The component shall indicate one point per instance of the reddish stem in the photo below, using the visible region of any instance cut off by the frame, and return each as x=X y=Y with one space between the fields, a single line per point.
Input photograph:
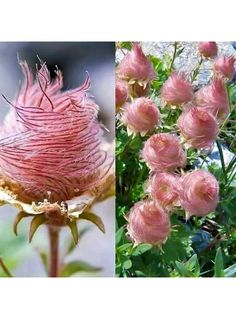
x=54 y=251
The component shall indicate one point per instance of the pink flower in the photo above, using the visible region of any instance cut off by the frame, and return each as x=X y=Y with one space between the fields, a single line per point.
x=148 y=223
x=142 y=115
x=122 y=92
x=224 y=65
x=213 y=98
x=208 y=49
x=163 y=152
x=177 y=89
x=199 y=127
x=51 y=141
x=164 y=188
x=136 y=66
x=200 y=193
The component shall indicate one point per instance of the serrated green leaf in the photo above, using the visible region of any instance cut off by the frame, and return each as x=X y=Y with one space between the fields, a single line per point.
x=77 y=266
x=94 y=219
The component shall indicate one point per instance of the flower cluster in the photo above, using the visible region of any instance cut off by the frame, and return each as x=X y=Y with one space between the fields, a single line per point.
x=200 y=112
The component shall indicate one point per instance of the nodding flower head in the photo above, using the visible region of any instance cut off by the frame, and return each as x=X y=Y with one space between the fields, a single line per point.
x=199 y=193
x=142 y=115
x=177 y=89
x=135 y=66
x=148 y=223
x=214 y=98
x=122 y=93
x=199 y=127
x=208 y=49
x=50 y=141
x=164 y=188
x=163 y=152
x=224 y=66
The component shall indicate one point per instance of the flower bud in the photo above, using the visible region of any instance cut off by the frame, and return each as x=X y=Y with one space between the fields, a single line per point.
x=200 y=193
x=122 y=93
x=207 y=49
x=164 y=188
x=135 y=66
x=224 y=66
x=142 y=115
x=148 y=223
x=177 y=89
x=198 y=127
x=214 y=98
x=163 y=152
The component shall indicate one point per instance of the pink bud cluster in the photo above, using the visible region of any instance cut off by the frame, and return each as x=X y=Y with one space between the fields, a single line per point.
x=134 y=74
x=168 y=187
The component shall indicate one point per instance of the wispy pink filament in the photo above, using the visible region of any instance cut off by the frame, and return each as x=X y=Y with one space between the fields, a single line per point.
x=51 y=140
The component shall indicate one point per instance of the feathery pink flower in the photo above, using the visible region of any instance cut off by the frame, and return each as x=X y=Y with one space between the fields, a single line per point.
x=50 y=141
x=200 y=193
x=148 y=223
x=142 y=115
x=164 y=188
x=198 y=127
x=163 y=152
x=224 y=65
x=136 y=66
x=214 y=98
x=177 y=89
x=208 y=49
x=122 y=92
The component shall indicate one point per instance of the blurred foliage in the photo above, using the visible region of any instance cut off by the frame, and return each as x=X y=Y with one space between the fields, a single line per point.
x=199 y=247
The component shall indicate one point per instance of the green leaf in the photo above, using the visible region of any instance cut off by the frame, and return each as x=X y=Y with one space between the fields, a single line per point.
x=94 y=219
x=219 y=266
x=182 y=270
x=141 y=249
x=77 y=266
x=119 y=235
x=230 y=271
x=37 y=221
x=127 y=264
x=74 y=231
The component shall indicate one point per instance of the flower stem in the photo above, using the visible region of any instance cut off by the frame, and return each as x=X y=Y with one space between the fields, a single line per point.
x=4 y=268
x=54 y=251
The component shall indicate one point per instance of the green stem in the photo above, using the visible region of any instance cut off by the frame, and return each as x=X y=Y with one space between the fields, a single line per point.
x=54 y=251
x=196 y=71
x=4 y=268
x=222 y=160
x=174 y=56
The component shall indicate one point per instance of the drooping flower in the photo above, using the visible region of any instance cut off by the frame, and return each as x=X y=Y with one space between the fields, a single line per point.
x=214 y=98
x=135 y=66
x=52 y=152
x=165 y=188
x=224 y=65
x=142 y=115
x=198 y=127
x=200 y=193
x=163 y=152
x=148 y=223
x=177 y=89
x=208 y=49
x=122 y=93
